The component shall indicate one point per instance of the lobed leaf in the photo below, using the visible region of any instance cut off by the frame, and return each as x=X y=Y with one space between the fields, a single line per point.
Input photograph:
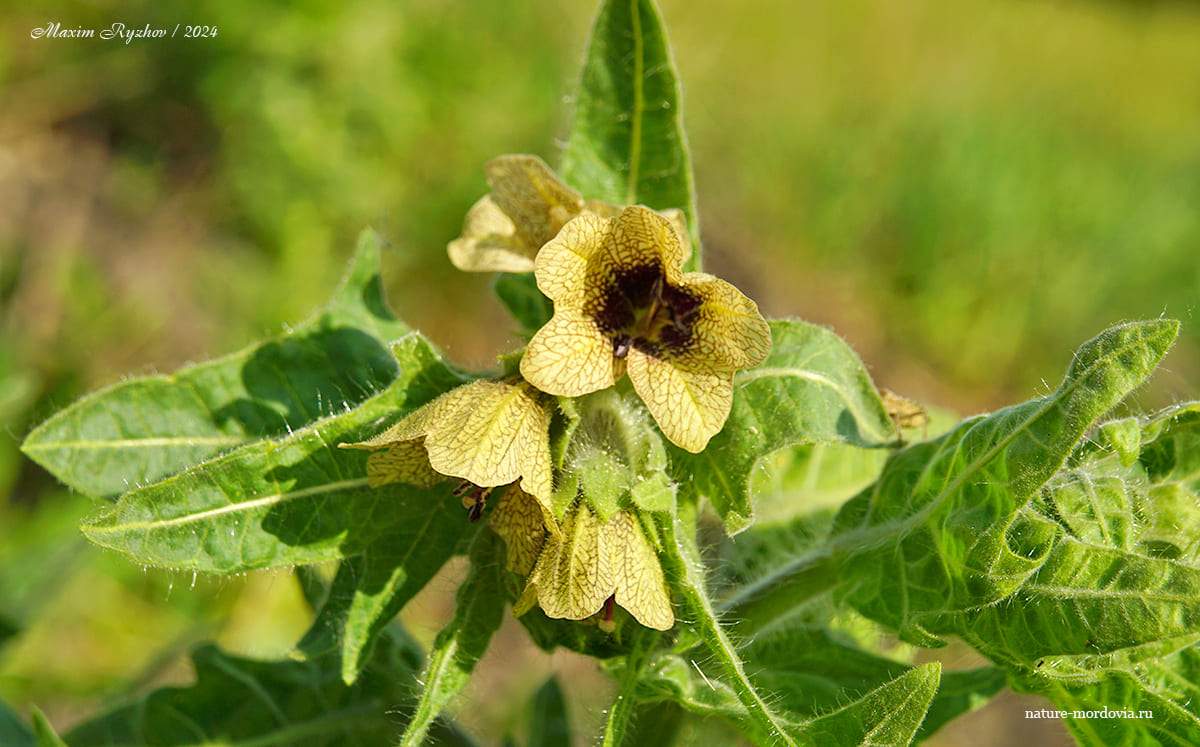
x=626 y=144
x=1157 y=702
x=139 y=431
x=942 y=530
x=1122 y=584
x=812 y=388
x=295 y=501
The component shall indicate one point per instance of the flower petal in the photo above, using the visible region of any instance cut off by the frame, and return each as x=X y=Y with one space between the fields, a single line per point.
x=405 y=462
x=521 y=521
x=641 y=588
x=569 y=356
x=489 y=242
x=642 y=237
x=728 y=331
x=490 y=433
x=690 y=405
x=562 y=264
x=574 y=574
x=531 y=194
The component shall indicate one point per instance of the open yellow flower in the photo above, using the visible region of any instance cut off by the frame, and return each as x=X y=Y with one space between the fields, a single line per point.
x=527 y=207
x=487 y=433
x=590 y=562
x=623 y=303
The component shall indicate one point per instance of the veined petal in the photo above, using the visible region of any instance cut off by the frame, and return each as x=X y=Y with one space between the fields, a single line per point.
x=489 y=242
x=488 y=434
x=728 y=330
x=414 y=425
x=531 y=194
x=404 y=461
x=562 y=265
x=642 y=237
x=674 y=216
x=641 y=588
x=690 y=405
x=521 y=521
x=574 y=574
x=569 y=356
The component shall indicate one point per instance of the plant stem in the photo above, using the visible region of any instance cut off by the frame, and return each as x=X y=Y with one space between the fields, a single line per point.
x=684 y=559
x=618 y=714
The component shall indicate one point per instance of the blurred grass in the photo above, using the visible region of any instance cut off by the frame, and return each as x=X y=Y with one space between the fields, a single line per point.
x=965 y=191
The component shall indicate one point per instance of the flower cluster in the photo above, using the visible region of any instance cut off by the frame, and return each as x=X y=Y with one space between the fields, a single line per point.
x=622 y=305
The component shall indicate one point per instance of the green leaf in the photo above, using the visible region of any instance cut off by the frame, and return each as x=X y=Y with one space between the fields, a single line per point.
x=959 y=693
x=772 y=571
x=1126 y=571
x=654 y=724
x=372 y=587
x=139 y=431
x=236 y=700
x=44 y=732
x=809 y=671
x=675 y=679
x=548 y=722
x=295 y=501
x=796 y=480
x=13 y=729
x=479 y=610
x=527 y=304
x=1157 y=702
x=888 y=715
x=626 y=145
x=1171 y=447
x=812 y=388
x=943 y=531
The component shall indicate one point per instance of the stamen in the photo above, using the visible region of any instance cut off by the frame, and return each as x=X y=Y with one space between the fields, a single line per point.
x=621 y=346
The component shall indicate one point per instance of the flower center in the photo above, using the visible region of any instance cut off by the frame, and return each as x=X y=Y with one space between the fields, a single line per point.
x=640 y=309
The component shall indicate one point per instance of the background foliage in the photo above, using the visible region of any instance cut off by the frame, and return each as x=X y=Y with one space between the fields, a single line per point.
x=964 y=191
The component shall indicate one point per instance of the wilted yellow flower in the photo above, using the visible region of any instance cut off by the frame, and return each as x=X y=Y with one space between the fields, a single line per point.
x=488 y=433
x=589 y=562
x=623 y=303
x=527 y=207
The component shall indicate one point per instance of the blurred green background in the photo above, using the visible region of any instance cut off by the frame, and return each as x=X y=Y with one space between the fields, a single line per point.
x=964 y=190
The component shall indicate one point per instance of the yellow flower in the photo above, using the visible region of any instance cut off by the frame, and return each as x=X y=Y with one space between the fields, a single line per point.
x=527 y=207
x=487 y=433
x=590 y=562
x=520 y=520
x=622 y=303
